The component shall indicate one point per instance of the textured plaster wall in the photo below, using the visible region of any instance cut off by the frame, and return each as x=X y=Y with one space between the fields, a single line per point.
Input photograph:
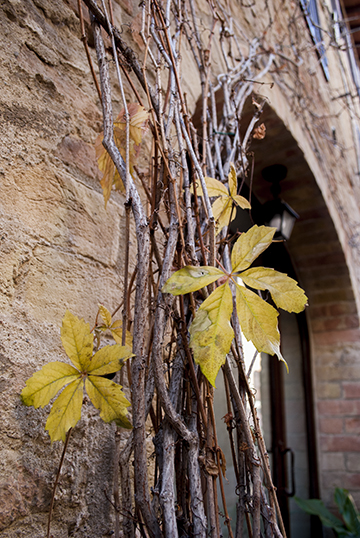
x=60 y=249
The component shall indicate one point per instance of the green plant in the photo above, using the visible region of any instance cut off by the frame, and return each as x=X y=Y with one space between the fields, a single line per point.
x=349 y=527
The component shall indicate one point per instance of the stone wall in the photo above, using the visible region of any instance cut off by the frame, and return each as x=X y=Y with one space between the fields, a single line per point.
x=60 y=248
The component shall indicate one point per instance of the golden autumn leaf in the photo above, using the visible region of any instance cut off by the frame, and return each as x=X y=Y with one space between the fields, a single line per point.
x=211 y=333
x=46 y=383
x=108 y=397
x=223 y=206
x=109 y=359
x=284 y=290
x=77 y=340
x=105 y=315
x=250 y=245
x=258 y=321
x=138 y=127
x=66 y=410
x=116 y=331
x=114 y=327
x=189 y=279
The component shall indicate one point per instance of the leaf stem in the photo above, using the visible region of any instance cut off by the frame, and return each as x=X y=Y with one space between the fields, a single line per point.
x=57 y=481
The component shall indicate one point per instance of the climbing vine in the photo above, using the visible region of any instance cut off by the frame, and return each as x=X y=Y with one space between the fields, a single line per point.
x=188 y=301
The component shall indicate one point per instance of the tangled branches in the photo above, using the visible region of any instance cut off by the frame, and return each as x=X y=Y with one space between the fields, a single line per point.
x=175 y=228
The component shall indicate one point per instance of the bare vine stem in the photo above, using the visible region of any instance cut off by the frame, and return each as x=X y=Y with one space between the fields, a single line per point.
x=57 y=481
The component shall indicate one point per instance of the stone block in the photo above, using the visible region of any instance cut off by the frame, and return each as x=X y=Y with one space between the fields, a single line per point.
x=66 y=213
x=56 y=281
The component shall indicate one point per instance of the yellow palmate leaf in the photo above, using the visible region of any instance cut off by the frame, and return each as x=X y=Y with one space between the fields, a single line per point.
x=189 y=279
x=116 y=331
x=232 y=177
x=77 y=340
x=138 y=127
x=284 y=290
x=106 y=166
x=241 y=201
x=105 y=315
x=109 y=359
x=222 y=211
x=250 y=245
x=139 y=118
x=211 y=333
x=108 y=397
x=214 y=188
x=47 y=382
x=258 y=322
x=66 y=411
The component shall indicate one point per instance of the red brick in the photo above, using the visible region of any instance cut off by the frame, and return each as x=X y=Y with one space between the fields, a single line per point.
x=340 y=443
x=336 y=337
x=351 y=390
x=352 y=425
x=331 y=425
x=334 y=323
x=344 y=480
x=339 y=407
x=321 y=297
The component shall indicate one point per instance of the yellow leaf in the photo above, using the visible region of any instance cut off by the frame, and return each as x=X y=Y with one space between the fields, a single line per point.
x=214 y=188
x=77 y=340
x=211 y=333
x=66 y=411
x=250 y=245
x=284 y=290
x=108 y=397
x=258 y=322
x=47 y=382
x=232 y=177
x=116 y=331
x=109 y=359
x=241 y=201
x=105 y=315
x=222 y=207
x=138 y=126
x=189 y=279
x=138 y=121
x=222 y=210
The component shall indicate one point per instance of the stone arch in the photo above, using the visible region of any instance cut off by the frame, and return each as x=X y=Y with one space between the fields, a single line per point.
x=319 y=260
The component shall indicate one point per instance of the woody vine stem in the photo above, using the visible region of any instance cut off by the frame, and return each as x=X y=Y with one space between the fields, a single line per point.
x=181 y=409
x=178 y=226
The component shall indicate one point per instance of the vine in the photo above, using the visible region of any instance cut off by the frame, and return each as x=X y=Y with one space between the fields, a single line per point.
x=183 y=326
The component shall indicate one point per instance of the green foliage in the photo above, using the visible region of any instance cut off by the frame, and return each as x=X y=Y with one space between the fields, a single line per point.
x=106 y=395
x=211 y=332
x=349 y=527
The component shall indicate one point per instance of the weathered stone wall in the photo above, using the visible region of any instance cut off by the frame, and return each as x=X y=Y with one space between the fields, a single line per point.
x=60 y=248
